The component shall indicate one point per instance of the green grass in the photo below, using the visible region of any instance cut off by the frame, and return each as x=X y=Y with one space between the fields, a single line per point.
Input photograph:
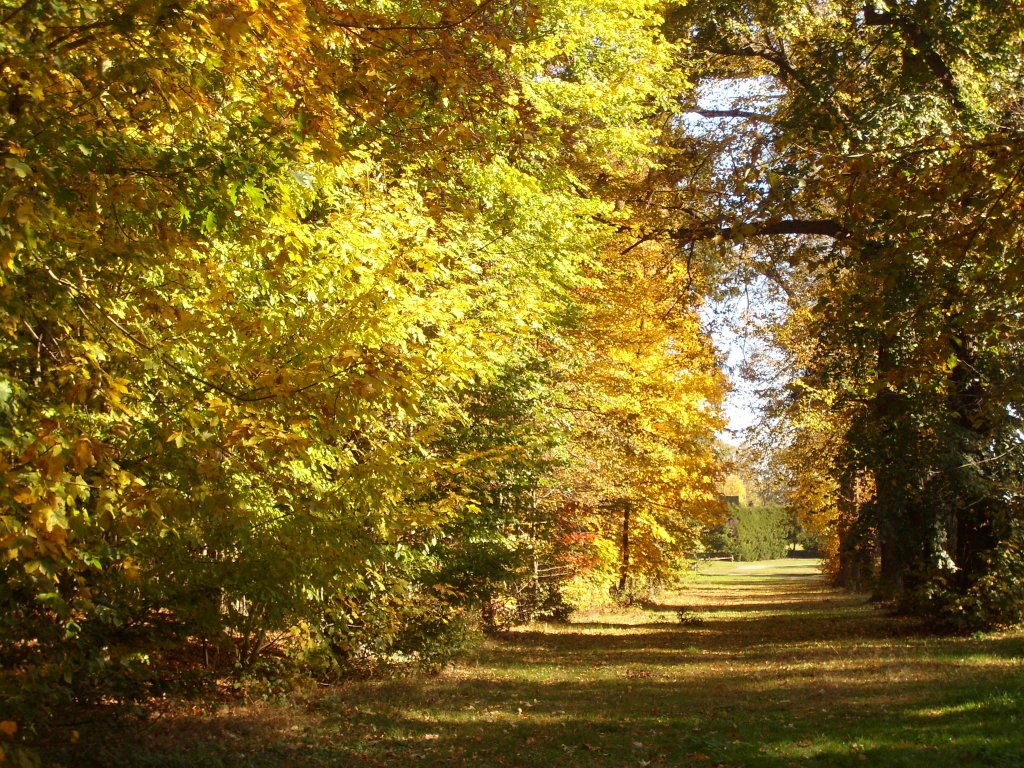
x=769 y=669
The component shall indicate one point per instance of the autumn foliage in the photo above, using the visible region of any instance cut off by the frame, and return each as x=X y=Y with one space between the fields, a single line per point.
x=304 y=307
x=871 y=184
x=327 y=325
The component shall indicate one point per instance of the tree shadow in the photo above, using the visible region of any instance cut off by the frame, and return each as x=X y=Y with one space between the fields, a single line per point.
x=825 y=682
x=623 y=720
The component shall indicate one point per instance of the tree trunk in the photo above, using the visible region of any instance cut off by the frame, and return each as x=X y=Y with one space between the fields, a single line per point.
x=894 y=511
x=624 y=567
x=856 y=556
x=972 y=530
x=891 y=574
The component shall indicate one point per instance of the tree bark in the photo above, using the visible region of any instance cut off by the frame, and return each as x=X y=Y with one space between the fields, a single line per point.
x=855 y=547
x=890 y=466
x=624 y=563
x=972 y=530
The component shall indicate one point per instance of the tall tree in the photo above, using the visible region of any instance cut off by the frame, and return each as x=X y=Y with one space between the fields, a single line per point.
x=878 y=172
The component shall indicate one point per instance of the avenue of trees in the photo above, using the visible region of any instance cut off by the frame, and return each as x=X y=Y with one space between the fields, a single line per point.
x=324 y=324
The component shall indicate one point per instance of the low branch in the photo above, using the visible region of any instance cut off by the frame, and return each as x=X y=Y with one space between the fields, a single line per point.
x=823 y=227
x=818 y=227
x=740 y=114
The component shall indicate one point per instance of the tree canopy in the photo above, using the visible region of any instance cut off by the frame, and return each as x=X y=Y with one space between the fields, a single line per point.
x=310 y=311
x=873 y=179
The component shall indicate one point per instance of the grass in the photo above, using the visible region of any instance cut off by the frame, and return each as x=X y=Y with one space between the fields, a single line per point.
x=757 y=665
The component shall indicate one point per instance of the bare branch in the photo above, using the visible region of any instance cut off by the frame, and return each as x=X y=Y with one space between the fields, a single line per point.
x=818 y=227
x=740 y=114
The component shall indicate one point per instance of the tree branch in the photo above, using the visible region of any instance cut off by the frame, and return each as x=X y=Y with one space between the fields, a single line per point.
x=914 y=34
x=818 y=227
x=822 y=227
x=876 y=18
x=786 y=71
x=737 y=113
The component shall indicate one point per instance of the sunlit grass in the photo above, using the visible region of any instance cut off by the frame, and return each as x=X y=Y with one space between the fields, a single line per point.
x=769 y=669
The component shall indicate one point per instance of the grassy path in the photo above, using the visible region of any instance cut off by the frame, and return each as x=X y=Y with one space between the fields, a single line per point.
x=755 y=665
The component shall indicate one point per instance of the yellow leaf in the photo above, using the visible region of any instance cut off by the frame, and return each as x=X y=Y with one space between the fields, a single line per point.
x=8 y=727
x=83 y=456
x=25 y=496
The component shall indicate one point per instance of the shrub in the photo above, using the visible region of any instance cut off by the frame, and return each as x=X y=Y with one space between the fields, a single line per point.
x=760 y=533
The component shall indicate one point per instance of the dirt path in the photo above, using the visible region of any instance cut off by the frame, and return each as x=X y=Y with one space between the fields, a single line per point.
x=756 y=665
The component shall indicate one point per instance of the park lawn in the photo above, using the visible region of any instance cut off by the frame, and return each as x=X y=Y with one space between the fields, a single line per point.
x=751 y=664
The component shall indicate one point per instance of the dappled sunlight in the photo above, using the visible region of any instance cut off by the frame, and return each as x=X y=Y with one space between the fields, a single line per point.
x=344 y=339
x=759 y=676
x=766 y=675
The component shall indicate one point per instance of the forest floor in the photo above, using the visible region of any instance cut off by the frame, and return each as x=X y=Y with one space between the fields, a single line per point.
x=757 y=665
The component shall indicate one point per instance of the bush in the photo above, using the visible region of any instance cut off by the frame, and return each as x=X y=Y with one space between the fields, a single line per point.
x=588 y=591
x=420 y=630
x=759 y=533
x=996 y=600
x=524 y=601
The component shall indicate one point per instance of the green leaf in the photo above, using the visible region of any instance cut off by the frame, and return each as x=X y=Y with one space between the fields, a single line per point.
x=19 y=168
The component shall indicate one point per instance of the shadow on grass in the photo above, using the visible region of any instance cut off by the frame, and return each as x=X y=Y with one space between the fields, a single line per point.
x=712 y=720
x=827 y=682
x=756 y=576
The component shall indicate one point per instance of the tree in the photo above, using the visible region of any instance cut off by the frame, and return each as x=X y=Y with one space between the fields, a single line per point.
x=644 y=408
x=878 y=194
